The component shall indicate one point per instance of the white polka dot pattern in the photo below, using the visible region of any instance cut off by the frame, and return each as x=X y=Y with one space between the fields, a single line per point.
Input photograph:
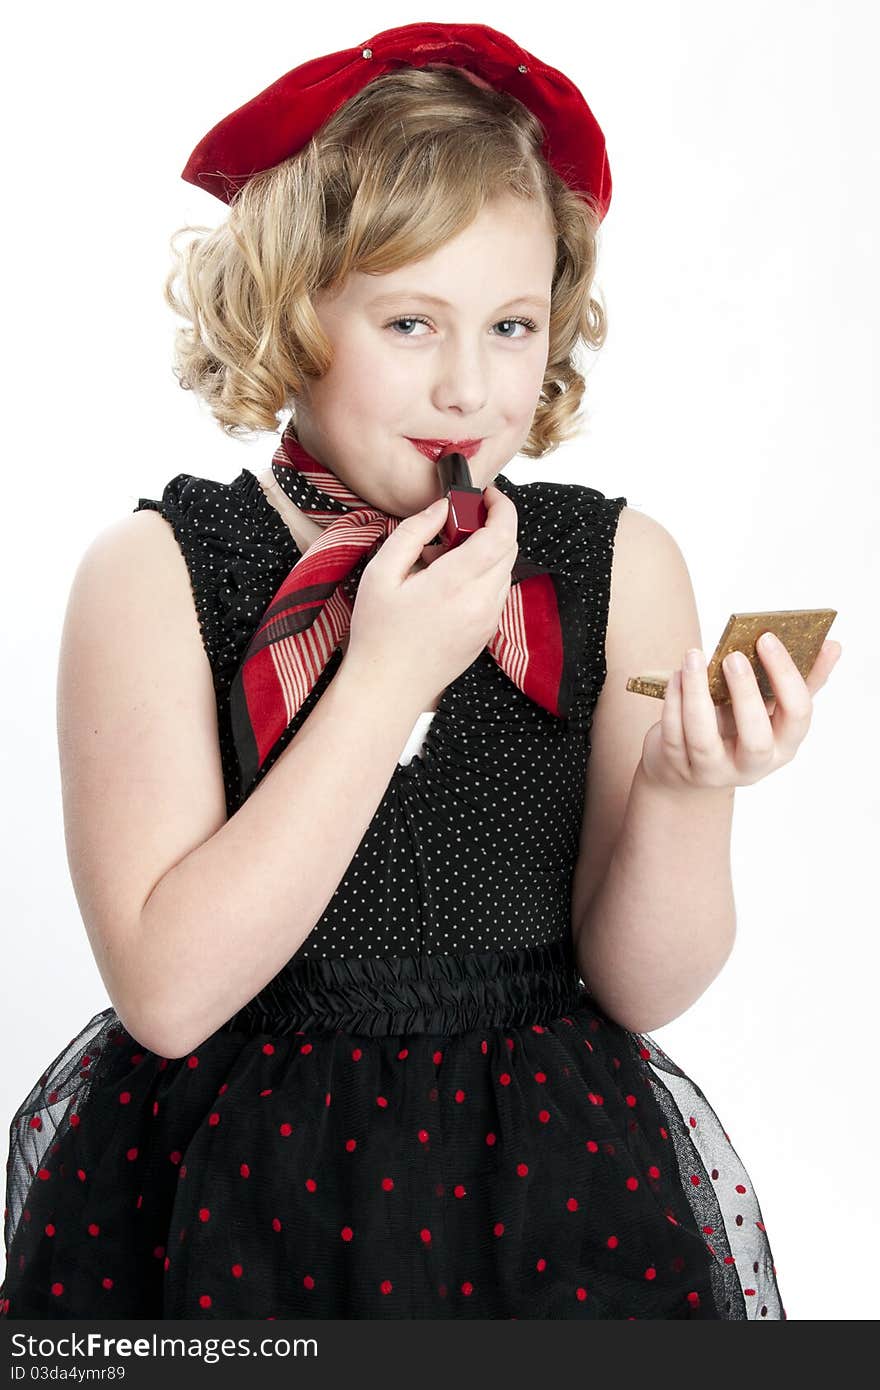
x=473 y=845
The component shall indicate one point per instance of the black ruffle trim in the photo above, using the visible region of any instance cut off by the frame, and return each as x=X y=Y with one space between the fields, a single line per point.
x=389 y=995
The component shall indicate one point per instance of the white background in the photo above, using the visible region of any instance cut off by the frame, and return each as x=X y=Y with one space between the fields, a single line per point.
x=735 y=401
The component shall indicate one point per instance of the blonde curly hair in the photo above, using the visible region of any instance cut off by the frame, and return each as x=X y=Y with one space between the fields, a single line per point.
x=401 y=168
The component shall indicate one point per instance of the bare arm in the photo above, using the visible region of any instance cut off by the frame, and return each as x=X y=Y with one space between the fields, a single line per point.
x=653 y=915
x=663 y=920
x=189 y=914
x=221 y=923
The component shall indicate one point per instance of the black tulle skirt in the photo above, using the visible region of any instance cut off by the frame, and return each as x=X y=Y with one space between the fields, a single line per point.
x=410 y=1137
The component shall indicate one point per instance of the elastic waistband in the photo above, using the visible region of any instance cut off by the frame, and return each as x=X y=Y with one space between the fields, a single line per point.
x=388 y=995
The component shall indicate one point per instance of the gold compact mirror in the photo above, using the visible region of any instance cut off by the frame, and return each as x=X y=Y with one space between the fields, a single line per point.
x=801 y=630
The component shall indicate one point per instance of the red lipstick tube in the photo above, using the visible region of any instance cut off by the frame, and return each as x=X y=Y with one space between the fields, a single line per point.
x=467 y=511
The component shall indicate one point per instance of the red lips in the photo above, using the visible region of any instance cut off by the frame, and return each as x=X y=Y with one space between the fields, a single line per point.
x=434 y=449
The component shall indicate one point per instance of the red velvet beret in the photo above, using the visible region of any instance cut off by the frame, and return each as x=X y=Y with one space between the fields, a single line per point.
x=283 y=118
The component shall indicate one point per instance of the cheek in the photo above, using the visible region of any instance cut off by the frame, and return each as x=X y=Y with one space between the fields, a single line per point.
x=369 y=384
x=522 y=386
x=538 y=366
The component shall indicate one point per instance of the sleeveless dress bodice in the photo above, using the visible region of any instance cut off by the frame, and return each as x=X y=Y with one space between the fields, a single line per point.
x=425 y=1113
x=474 y=842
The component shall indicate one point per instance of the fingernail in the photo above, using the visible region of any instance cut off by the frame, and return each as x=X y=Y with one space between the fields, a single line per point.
x=693 y=659
x=769 y=642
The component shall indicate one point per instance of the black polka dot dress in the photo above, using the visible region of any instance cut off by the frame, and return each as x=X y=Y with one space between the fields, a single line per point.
x=425 y=1114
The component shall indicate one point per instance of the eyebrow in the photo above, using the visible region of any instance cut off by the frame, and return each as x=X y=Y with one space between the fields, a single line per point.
x=393 y=296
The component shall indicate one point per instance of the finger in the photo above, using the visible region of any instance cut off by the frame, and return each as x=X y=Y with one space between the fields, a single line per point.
x=726 y=716
x=671 y=729
x=826 y=660
x=755 y=733
x=699 y=720
x=794 y=703
x=430 y=553
x=408 y=539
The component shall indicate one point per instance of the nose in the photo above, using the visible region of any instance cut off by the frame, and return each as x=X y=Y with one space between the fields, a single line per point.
x=461 y=377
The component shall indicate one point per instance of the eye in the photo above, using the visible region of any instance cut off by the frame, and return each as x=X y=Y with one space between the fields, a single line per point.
x=409 y=319
x=528 y=324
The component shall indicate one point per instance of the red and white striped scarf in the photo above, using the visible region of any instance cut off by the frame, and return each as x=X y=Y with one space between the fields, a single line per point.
x=535 y=643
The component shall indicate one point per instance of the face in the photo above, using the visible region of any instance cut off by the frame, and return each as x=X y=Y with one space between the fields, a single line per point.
x=411 y=368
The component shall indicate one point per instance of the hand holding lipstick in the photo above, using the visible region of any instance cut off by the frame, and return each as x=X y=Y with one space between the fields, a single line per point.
x=421 y=630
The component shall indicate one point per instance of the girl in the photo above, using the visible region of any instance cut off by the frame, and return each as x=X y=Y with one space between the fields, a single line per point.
x=378 y=867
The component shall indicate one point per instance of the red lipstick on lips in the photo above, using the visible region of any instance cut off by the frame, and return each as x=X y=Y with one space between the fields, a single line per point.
x=434 y=449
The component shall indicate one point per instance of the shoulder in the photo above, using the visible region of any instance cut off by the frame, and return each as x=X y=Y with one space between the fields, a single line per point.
x=131 y=576
x=140 y=544
x=644 y=550
x=137 y=553
x=638 y=531
x=652 y=614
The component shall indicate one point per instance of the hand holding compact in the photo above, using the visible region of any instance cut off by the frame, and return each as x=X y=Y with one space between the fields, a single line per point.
x=699 y=744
